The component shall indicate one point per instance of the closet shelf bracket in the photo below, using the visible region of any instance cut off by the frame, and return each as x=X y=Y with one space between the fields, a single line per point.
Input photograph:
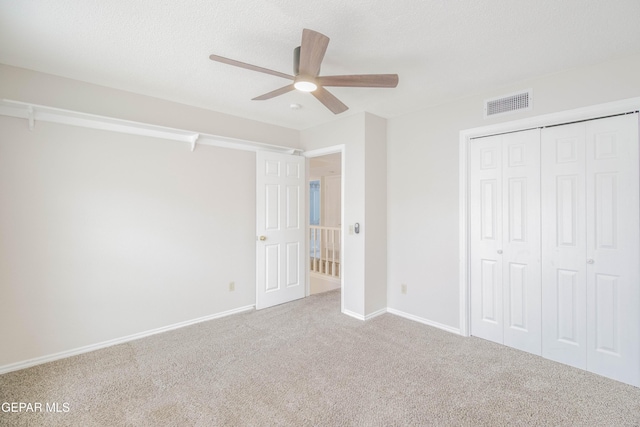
x=31 y=117
x=192 y=139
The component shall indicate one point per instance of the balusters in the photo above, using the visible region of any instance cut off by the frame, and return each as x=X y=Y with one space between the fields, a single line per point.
x=325 y=250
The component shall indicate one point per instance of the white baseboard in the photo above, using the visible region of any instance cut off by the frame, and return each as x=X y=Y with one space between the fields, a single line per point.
x=64 y=354
x=354 y=315
x=367 y=317
x=375 y=314
x=424 y=321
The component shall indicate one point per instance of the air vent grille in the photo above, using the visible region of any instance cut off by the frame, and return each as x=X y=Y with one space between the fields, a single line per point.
x=520 y=101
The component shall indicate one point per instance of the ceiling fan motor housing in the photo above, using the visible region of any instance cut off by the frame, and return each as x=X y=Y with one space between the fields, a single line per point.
x=296 y=61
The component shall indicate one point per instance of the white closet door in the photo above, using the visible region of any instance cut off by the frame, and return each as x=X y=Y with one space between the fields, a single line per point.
x=485 y=210
x=613 y=252
x=521 y=241
x=505 y=243
x=564 y=245
x=591 y=246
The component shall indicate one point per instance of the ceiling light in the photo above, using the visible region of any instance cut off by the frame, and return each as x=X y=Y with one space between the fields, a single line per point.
x=295 y=106
x=305 y=86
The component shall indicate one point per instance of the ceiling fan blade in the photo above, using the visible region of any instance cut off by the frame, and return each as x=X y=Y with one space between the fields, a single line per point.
x=360 y=80
x=274 y=93
x=248 y=66
x=331 y=102
x=312 y=49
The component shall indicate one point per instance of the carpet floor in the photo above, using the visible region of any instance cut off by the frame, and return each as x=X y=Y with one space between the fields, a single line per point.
x=306 y=364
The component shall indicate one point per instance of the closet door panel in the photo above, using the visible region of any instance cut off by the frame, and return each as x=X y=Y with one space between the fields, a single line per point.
x=485 y=215
x=521 y=240
x=563 y=244
x=613 y=252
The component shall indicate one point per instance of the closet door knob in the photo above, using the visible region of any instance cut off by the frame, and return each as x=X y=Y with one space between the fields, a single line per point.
x=499 y=251
x=590 y=261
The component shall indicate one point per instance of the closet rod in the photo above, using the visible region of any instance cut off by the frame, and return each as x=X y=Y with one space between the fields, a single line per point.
x=557 y=124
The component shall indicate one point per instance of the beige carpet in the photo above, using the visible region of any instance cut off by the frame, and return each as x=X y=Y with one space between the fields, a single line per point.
x=305 y=364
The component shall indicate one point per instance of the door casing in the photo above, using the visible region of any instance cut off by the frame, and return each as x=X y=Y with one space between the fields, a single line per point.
x=343 y=243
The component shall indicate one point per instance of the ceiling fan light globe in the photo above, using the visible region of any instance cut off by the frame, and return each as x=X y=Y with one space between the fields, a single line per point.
x=305 y=86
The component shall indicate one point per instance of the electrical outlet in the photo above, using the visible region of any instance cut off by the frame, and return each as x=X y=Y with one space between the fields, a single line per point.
x=232 y=286
x=403 y=288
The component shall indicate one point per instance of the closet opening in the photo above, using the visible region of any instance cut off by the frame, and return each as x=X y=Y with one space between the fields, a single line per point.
x=550 y=237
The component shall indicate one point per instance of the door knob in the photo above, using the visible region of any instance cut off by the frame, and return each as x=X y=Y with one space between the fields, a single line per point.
x=590 y=261
x=499 y=251
x=262 y=237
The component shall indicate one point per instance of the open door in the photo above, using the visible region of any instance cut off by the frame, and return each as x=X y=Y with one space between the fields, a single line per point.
x=280 y=228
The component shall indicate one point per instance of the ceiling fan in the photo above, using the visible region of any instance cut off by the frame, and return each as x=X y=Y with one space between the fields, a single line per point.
x=306 y=67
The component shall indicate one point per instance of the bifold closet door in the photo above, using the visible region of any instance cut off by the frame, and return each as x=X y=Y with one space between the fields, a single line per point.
x=504 y=207
x=564 y=244
x=591 y=246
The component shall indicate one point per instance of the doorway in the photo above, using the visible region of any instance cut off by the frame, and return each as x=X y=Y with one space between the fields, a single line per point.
x=325 y=172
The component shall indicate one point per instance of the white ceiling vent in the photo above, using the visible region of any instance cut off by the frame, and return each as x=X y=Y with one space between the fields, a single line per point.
x=519 y=101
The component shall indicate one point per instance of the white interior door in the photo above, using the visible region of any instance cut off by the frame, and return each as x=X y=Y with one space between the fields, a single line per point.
x=504 y=208
x=280 y=228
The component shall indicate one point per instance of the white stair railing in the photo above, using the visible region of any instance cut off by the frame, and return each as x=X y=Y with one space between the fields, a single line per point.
x=324 y=244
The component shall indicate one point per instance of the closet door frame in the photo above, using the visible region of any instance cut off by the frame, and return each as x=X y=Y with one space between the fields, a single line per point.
x=563 y=117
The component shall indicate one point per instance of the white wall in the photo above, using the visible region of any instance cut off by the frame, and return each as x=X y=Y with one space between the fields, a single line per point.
x=331 y=196
x=105 y=235
x=18 y=84
x=375 y=214
x=423 y=191
x=348 y=131
x=364 y=269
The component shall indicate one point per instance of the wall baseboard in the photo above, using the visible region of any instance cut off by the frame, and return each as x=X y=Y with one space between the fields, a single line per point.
x=74 y=352
x=353 y=314
x=375 y=313
x=86 y=349
x=406 y=316
x=367 y=317
x=424 y=321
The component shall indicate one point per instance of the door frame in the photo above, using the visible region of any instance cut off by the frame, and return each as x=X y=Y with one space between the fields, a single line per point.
x=318 y=153
x=541 y=121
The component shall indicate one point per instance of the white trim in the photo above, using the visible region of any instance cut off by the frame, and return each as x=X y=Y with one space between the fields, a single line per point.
x=463 y=260
x=354 y=315
x=34 y=112
x=341 y=148
x=324 y=151
x=80 y=350
x=368 y=316
x=584 y=113
x=375 y=314
x=424 y=321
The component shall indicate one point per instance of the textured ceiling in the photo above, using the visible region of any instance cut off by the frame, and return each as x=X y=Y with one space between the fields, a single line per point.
x=441 y=49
